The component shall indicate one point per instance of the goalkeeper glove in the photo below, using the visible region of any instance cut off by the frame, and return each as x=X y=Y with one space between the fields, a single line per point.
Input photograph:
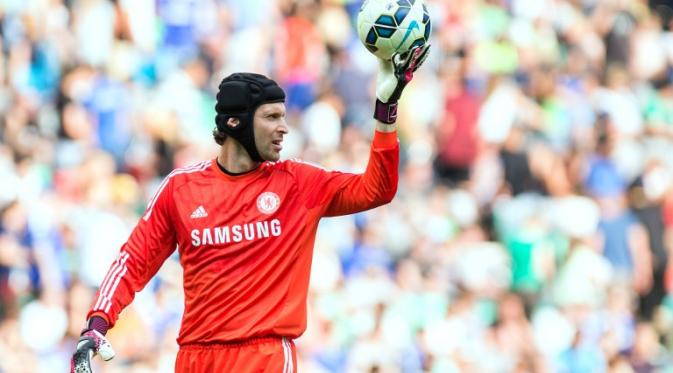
x=91 y=342
x=392 y=77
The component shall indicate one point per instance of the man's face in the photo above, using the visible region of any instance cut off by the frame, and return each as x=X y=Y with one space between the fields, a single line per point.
x=270 y=127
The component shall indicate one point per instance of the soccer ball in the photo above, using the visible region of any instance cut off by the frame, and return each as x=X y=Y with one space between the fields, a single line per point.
x=387 y=27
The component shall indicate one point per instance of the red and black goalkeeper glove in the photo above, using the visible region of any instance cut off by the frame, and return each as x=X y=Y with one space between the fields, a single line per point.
x=392 y=77
x=92 y=342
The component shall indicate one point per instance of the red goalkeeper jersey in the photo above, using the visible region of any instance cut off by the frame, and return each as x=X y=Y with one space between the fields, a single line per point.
x=245 y=242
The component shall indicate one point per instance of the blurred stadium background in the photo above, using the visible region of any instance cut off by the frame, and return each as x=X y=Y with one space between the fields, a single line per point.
x=532 y=229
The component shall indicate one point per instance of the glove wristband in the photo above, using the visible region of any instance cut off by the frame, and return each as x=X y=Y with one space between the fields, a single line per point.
x=385 y=112
x=98 y=324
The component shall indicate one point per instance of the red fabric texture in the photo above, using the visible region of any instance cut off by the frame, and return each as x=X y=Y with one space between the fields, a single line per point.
x=245 y=242
x=457 y=134
x=272 y=355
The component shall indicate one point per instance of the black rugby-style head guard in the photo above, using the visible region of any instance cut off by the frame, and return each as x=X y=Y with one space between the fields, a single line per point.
x=239 y=95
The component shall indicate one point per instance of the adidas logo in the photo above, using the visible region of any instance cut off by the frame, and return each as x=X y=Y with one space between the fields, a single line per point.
x=200 y=212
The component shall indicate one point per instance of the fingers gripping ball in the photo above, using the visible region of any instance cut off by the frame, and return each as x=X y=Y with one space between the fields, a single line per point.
x=389 y=27
x=391 y=79
x=394 y=75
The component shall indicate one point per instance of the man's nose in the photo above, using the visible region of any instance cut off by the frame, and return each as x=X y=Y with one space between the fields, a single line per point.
x=284 y=128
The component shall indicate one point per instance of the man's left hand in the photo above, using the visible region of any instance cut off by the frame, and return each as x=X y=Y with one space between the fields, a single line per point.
x=392 y=77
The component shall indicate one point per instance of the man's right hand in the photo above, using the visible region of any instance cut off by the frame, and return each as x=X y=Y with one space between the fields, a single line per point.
x=90 y=344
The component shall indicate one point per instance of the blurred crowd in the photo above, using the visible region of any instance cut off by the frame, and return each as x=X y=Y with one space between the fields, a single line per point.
x=533 y=226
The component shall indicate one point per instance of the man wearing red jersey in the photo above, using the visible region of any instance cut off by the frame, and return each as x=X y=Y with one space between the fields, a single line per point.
x=244 y=224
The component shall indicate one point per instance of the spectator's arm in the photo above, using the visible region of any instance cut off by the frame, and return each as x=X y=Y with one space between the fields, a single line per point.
x=639 y=244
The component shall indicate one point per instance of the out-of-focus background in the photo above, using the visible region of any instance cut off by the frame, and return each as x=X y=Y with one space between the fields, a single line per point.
x=532 y=230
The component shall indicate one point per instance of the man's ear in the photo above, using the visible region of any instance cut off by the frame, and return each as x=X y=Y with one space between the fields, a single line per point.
x=233 y=122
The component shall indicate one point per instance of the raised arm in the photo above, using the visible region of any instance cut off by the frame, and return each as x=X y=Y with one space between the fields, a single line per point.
x=378 y=184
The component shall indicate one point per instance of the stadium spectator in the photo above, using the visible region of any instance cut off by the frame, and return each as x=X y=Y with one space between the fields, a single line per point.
x=567 y=122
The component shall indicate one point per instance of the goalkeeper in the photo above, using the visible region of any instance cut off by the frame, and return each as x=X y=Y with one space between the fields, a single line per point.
x=244 y=224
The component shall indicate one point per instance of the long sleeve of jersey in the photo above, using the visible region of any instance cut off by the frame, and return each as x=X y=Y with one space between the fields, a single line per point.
x=339 y=193
x=151 y=242
x=245 y=242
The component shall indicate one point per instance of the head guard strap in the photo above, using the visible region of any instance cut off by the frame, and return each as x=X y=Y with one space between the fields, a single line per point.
x=239 y=96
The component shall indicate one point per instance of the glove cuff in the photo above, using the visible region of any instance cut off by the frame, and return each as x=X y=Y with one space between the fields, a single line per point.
x=98 y=324
x=385 y=112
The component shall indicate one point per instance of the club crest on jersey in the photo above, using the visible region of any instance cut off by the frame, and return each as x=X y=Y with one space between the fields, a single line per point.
x=268 y=203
